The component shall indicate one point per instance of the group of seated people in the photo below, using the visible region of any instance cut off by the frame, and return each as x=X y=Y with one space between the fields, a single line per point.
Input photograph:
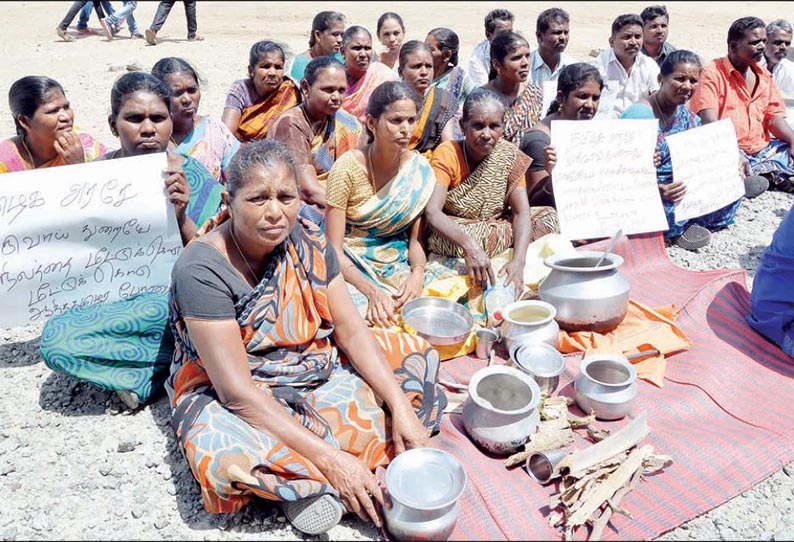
x=333 y=191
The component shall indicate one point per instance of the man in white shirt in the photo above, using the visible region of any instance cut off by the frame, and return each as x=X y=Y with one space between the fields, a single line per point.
x=498 y=21
x=628 y=74
x=552 y=31
x=778 y=40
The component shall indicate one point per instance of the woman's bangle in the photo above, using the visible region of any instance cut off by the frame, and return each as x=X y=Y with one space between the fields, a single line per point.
x=420 y=266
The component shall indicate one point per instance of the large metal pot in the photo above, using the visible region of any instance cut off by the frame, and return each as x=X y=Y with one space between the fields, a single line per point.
x=587 y=298
x=423 y=486
x=500 y=414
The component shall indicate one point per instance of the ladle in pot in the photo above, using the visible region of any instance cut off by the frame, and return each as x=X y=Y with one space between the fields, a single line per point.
x=612 y=243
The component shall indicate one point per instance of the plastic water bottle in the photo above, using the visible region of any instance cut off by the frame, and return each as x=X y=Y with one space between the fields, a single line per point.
x=496 y=298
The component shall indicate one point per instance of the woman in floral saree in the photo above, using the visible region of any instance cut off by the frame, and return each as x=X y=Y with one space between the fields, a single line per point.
x=376 y=195
x=278 y=388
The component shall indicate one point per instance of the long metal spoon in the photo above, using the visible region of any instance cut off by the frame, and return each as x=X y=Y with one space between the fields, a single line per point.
x=612 y=243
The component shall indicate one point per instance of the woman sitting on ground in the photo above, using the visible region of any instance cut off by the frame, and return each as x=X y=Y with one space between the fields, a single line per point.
x=680 y=75
x=444 y=44
x=435 y=121
x=318 y=131
x=46 y=135
x=278 y=389
x=325 y=40
x=363 y=75
x=579 y=89
x=124 y=345
x=205 y=138
x=391 y=33
x=254 y=103
x=509 y=78
x=479 y=207
x=376 y=195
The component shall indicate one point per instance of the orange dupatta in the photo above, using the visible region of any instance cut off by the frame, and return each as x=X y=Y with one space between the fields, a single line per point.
x=255 y=120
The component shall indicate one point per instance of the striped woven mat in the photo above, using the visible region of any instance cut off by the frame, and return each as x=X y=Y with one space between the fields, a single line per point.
x=724 y=414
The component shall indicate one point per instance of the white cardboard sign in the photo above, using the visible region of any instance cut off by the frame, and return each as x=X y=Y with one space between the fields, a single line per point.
x=605 y=179
x=76 y=235
x=710 y=184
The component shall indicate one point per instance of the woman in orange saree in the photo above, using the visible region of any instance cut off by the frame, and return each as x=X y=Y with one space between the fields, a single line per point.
x=278 y=389
x=254 y=103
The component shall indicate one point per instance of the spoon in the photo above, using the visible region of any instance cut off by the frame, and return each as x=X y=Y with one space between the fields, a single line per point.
x=612 y=243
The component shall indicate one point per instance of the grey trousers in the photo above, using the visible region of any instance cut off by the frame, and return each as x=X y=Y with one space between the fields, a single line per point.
x=165 y=8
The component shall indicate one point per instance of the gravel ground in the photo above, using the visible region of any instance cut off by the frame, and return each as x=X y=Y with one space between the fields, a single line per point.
x=75 y=465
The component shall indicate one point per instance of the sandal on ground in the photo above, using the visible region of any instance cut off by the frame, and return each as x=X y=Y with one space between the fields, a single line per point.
x=197 y=37
x=63 y=35
x=129 y=398
x=755 y=185
x=314 y=515
x=151 y=36
x=694 y=238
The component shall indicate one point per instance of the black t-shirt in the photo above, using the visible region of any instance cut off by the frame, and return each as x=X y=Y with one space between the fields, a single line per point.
x=207 y=287
x=533 y=145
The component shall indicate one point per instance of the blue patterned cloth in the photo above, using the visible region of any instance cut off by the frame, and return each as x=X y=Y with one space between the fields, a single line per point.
x=683 y=119
x=125 y=345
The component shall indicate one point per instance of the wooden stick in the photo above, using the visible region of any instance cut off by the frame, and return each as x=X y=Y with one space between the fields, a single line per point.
x=629 y=436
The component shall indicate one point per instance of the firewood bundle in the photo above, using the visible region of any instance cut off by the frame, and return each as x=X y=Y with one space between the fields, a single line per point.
x=596 y=479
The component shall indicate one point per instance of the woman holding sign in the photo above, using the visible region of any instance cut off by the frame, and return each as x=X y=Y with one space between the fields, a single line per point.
x=278 y=388
x=579 y=87
x=479 y=205
x=46 y=136
x=125 y=345
x=680 y=75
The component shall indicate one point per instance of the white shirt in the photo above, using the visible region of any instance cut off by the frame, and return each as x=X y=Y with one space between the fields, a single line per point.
x=783 y=76
x=540 y=70
x=622 y=89
x=480 y=63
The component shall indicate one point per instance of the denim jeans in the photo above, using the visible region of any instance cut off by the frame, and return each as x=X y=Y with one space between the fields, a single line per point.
x=125 y=13
x=165 y=8
x=85 y=13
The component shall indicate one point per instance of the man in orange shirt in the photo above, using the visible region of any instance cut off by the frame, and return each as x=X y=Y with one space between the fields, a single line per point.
x=736 y=87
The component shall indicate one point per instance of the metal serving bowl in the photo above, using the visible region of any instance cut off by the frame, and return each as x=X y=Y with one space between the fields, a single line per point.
x=440 y=321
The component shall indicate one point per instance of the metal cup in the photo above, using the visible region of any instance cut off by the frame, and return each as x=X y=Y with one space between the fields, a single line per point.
x=542 y=466
x=486 y=339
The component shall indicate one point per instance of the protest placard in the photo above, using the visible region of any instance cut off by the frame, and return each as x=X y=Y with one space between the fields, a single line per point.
x=605 y=179
x=76 y=235
x=710 y=184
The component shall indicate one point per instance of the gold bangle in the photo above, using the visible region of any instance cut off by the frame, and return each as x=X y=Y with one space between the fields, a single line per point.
x=418 y=266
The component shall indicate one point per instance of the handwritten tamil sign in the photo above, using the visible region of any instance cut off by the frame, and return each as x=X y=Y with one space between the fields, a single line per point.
x=710 y=184
x=605 y=179
x=73 y=236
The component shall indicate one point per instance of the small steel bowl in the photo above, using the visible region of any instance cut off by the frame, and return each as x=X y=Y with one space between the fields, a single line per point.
x=440 y=321
x=542 y=362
